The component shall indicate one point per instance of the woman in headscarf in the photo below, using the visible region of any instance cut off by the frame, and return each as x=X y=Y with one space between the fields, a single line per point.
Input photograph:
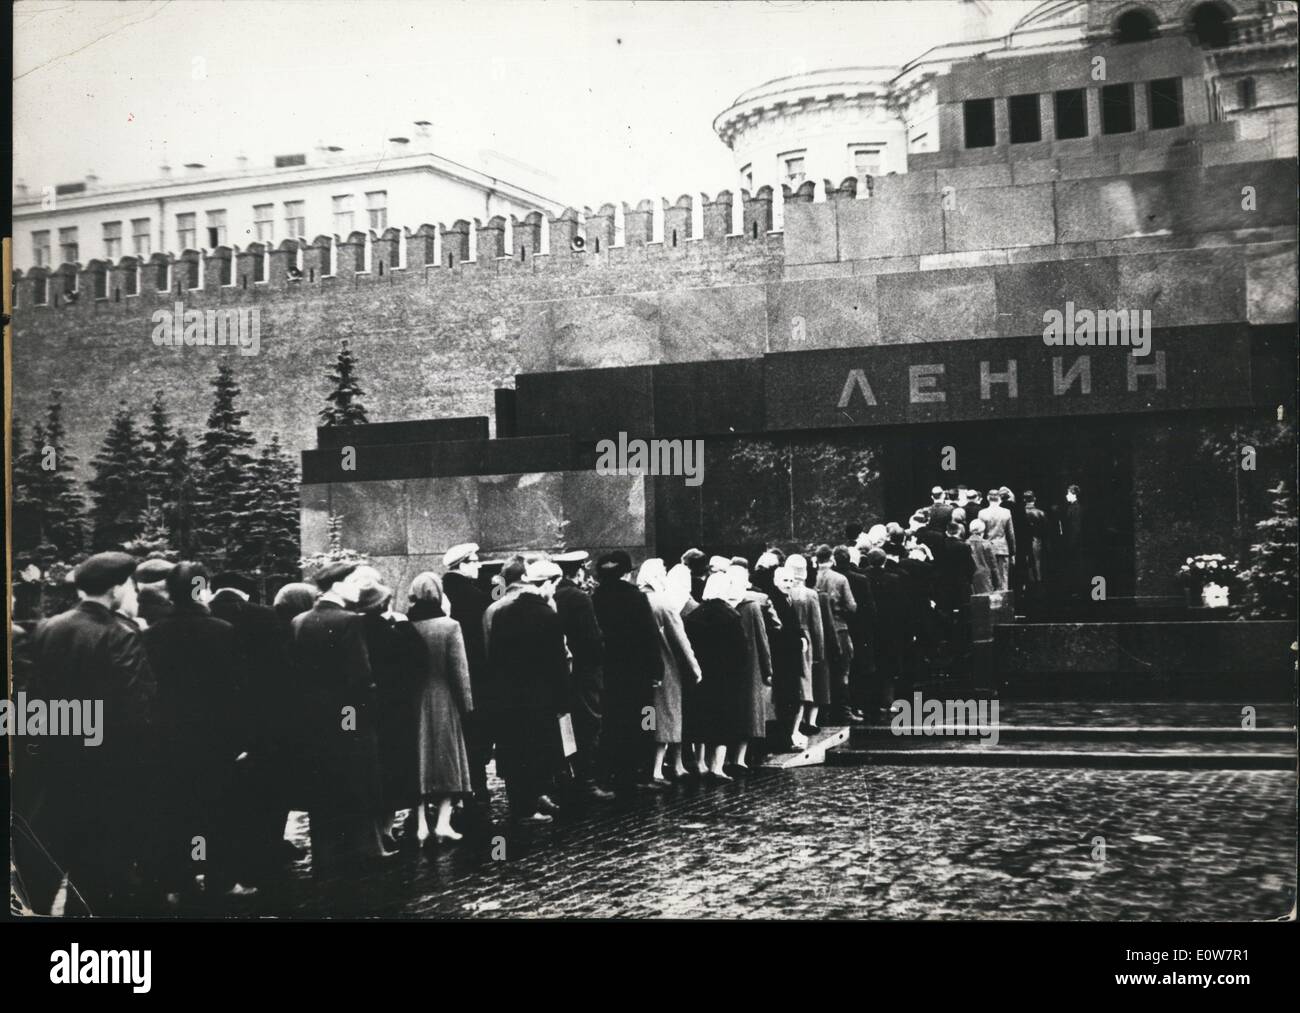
x=717 y=636
x=789 y=647
x=679 y=664
x=397 y=666
x=443 y=700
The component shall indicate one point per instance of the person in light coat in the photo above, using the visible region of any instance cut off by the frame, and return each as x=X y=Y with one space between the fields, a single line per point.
x=679 y=665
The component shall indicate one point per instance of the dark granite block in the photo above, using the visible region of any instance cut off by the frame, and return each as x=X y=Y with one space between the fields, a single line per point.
x=679 y=517
x=822 y=313
x=314 y=515
x=727 y=322
x=414 y=431
x=589 y=404
x=506 y=410
x=707 y=398
x=398 y=572
x=836 y=479
x=604 y=509
x=361 y=463
x=440 y=513
x=521 y=512
x=374 y=516
x=746 y=494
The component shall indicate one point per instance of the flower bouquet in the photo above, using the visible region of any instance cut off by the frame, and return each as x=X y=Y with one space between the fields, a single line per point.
x=1208 y=577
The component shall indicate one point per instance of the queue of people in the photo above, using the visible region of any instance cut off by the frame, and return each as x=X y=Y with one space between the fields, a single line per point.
x=584 y=680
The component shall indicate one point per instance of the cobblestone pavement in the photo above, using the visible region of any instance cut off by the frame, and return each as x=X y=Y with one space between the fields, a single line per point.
x=1199 y=714
x=862 y=842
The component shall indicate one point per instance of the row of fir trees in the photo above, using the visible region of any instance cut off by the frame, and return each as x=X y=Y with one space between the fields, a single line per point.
x=155 y=491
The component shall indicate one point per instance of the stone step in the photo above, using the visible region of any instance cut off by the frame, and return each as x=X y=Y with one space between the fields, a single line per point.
x=999 y=756
x=882 y=736
x=815 y=753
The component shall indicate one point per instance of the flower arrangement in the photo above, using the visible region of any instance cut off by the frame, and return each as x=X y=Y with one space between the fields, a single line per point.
x=1200 y=571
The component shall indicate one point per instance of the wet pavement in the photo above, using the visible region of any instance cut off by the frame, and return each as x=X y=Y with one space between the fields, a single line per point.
x=858 y=842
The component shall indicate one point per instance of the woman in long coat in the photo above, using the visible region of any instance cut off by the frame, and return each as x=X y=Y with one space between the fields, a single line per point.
x=808 y=610
x=679 y=666
x=750 y=704
x=443 y=700
x=788 y=643
x=717 y=636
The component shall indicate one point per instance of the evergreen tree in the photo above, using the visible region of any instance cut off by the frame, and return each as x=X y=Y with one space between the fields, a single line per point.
x=224 y=501
x=120 y=498
x=158 y=437
x=345 y=407
x=154 y=540
x=335 y=553
x=180 y=491
x=1270 y=580
x=273 y=548
x=61 y=509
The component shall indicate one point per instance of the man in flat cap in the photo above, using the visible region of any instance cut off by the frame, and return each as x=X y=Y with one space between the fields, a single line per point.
x=337 y=699
x=151 y=590
x=90 y=810
x=267 y=695
x=467 y=603
x=633 y=671
x=531 y=668
x=586 y=680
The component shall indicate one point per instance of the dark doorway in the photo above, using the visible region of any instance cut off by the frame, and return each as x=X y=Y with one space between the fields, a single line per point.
x=1042 y=455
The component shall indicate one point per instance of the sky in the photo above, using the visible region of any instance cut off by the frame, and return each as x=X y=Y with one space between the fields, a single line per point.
x=614 y=99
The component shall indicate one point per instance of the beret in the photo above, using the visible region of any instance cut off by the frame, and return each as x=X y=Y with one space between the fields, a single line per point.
x=231 y=578
x=102 y=571
x=614 y=563
x=151 y=571
x=332 y=574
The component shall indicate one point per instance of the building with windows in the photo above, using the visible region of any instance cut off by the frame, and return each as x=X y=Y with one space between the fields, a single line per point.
x=1197 y=66
x=328 y=191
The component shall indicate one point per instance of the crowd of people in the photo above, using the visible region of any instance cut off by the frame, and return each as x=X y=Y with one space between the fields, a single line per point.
x=583 y=679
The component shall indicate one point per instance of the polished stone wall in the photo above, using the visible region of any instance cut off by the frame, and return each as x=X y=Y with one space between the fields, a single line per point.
x=409 y=523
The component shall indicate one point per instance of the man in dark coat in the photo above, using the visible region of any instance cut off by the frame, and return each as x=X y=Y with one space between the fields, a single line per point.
x=337 y=697
x=88 y=808
x=954 y=569
x=1033 y=541
x=263 y=682
x=586 y=682
x=531 y=670
x=889 y=632
x=468 y=603
x=633 y=670
x=206 y=737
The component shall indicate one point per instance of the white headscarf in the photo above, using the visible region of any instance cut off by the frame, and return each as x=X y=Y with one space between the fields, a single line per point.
x=652 y=576
x=679 y=586
x=720 y=585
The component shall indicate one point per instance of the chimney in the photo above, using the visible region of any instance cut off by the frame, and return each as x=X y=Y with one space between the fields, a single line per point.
x=399 y=146
x=194 y=167
x=20 y=189
x=241 y=162
x=333 y=154
x=91 y=179
x=165 y=170
x=423 y=130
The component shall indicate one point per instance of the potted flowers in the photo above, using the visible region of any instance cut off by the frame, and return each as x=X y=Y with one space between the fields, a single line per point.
x=1206 y=580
